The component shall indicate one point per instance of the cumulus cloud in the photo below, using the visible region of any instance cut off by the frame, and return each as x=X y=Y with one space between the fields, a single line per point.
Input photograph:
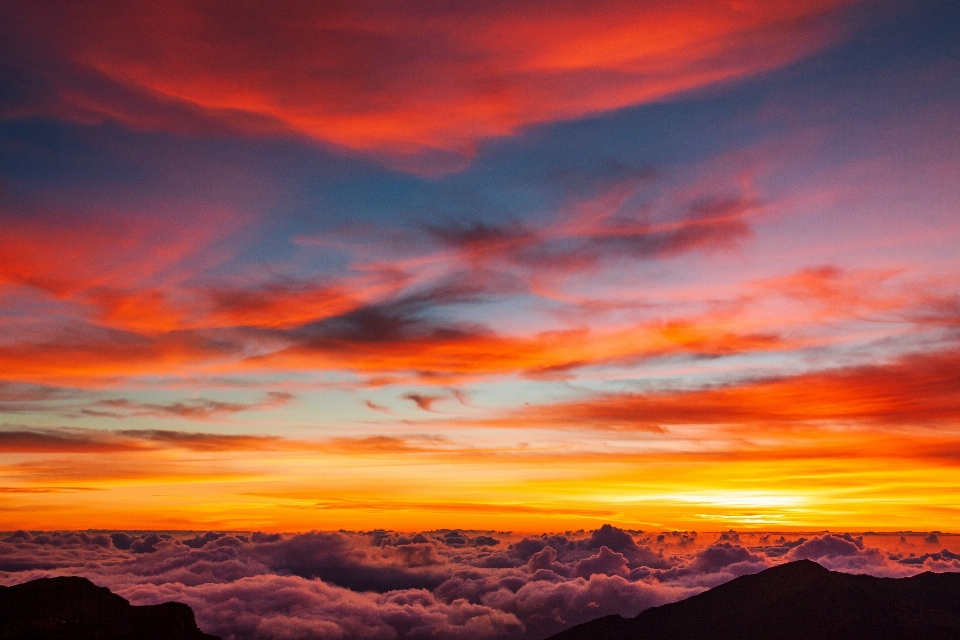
x=612 y=538
x=606 y=562
x=941 y=561
x=121 y=540
x=724 y=555
x=446 y=584
x=849 y=554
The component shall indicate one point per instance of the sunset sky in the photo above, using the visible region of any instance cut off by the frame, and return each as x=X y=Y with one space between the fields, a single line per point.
x=529 y=266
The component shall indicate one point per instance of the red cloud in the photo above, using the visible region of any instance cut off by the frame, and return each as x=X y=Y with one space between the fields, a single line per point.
x=425 y=402
x=103 y=295
x=65 y=253
x=396 y=343
x=398 y=78
x=918 y=390
x=89 y=359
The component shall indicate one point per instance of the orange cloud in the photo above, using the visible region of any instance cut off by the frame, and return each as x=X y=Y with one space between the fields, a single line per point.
x=137 y=305
x=63 y=440
x=107 y=295
x=917 y=390
x=281 y=305
x=402 y=78
x=239 y=329
x=481 y=508
x=453 y=353
x=92 y=359
x=389 y=445
x=63 y=254
x=196 y=409
x=79 y=440
x=82 y=440
x=29 y=490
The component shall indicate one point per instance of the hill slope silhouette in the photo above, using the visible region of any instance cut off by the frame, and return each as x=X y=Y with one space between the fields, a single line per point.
x=76 y=609
x=797 y=601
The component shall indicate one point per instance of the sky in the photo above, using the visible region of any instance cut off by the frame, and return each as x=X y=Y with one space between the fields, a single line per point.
x=514 y=266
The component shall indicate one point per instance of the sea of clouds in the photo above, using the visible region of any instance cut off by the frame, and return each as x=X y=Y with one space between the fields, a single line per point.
x=383 y=585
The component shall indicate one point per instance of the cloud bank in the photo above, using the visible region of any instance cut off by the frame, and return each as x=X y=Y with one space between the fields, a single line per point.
x=439 y=584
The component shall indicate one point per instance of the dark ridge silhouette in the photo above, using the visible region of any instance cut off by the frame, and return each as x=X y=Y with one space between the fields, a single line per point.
x=77 y=609
x=797 y=601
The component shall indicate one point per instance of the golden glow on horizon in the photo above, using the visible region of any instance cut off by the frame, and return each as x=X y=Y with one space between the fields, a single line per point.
x=524 y=267
x=510 y=490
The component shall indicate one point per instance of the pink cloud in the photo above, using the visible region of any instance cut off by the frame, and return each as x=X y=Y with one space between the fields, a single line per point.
x=417 y=87
x=285 y=587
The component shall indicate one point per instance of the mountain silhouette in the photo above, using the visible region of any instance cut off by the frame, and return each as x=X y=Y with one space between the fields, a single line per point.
x=797 y=601
x=76 y=609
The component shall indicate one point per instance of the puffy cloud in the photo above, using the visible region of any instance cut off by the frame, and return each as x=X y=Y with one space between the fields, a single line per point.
x=545 y=560
x=146 y=544
x=331 y=584
x=611 y=537
x=941 y=561
x=260 y=536
x=485 y=541
x=723 y=555
x=846 y=553
x=289 y=607
x=121 y=540
x=25 y=552
x=606 y=562
x=335 y=558
x=710 y=566
x=829 y=545
x=725 y=561
x=101 y=540
x=945 y=554
x=548 y=606
x=528 y=546
x=391 y=585
x=200 y=540
x=19 y=536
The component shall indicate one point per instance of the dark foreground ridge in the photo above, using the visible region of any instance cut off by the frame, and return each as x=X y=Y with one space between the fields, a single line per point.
x=77 y=609
x=797 y=601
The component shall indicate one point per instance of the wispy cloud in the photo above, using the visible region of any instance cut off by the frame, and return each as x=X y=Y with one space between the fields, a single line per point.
x=79 y=440
x=915 y=390
x=198 y=409
x=342 y=67
x=425 y=402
